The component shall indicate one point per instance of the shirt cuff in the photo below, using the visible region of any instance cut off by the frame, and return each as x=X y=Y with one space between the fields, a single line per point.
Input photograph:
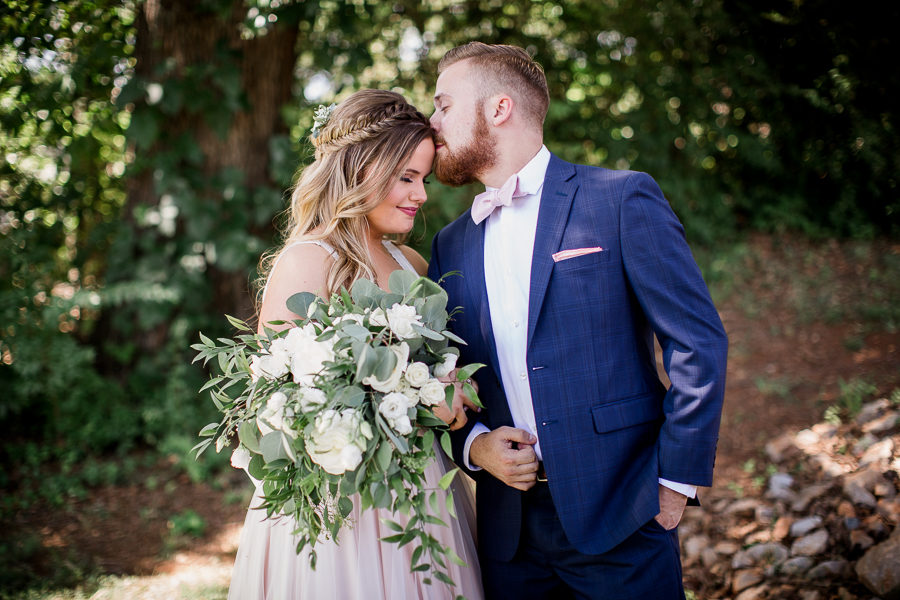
x=476 y=430
x=682 y=488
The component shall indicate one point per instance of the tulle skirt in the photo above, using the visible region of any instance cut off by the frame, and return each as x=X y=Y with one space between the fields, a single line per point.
x=359 y=565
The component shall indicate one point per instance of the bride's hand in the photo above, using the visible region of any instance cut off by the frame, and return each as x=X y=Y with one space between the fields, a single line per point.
x=456 y=417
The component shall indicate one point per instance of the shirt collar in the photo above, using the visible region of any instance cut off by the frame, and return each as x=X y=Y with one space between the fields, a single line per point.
x=531 y=176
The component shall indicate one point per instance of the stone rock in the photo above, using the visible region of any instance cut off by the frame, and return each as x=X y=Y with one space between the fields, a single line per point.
x=770 y=553
x=808 y=494
x=805 y=525
x=884 y=489
x=872 y=410
x=879 y=568
x=809 y=545
x=726 y=548
x=765 y=514
x=759 y=537
x=859 y=495
x=810 y=595
x=693 y=546
x=825 y=430
x=743 y=508
x=845 y=509
x=860 y=540
x=830 y=568
x=780 y=487
x=709 y=557
x=830 y=468
x=874 y=525
x=782 y=528
x=754 y=593
x=797 y=565
x=882 y=424
x=806 y=439
x=880 y=452
x=889 y=509
x=863 y=444
x=851 y=523
x=745 y=578
x=777 y=448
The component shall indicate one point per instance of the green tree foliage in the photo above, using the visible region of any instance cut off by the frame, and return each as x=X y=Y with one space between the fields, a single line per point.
x=146 y=148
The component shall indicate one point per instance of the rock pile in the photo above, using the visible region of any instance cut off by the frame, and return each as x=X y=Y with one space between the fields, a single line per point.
x=824 y=524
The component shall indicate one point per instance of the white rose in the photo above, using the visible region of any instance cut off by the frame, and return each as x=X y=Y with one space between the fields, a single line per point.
x=276 y=416
x=240 y=458
x=378 y=318
x=417 y=374
x=394 y=405
x=401 y=318
x=401 y=425
x=272 y=364
x=311 y=398
x=444 y=369
x=393 y=381
x=334 y=443
x=307 y=356
x=432 y=393
x=408 y=391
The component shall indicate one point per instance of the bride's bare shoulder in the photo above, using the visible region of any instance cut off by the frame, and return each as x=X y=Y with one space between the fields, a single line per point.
x=415 y=259
x=299 y=268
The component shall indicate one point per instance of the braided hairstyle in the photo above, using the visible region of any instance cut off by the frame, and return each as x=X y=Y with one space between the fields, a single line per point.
x=359 y=154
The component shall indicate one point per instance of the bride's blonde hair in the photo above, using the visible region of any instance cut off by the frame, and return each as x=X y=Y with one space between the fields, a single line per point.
x=360 y=151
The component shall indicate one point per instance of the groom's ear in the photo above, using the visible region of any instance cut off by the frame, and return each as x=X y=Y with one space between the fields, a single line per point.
x=500 y=109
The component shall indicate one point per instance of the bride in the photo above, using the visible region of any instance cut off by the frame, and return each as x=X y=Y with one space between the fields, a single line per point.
x=373 y=155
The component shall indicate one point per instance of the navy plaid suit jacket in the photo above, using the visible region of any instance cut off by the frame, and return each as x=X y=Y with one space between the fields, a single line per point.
x=608 y=427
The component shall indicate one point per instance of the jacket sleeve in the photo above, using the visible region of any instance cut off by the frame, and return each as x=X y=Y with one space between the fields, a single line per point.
x=672 y=294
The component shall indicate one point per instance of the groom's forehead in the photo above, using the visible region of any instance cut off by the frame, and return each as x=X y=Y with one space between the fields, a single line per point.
x=453 y=81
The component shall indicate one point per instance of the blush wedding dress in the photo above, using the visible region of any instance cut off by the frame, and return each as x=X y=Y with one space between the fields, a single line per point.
x=358 y=565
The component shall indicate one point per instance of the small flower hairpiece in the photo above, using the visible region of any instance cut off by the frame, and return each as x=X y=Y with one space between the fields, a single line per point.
x=320 y=118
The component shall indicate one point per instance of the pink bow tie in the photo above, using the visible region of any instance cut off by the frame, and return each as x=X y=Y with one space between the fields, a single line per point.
x=486 y=202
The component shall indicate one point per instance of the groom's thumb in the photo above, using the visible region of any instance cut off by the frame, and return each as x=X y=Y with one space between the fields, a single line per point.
x=521 y=436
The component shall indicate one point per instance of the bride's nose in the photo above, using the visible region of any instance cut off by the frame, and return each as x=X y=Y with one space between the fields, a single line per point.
x=419 y=195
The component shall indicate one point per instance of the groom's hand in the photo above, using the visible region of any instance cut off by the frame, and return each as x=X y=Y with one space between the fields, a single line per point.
x=671 y=507
x=508 y=454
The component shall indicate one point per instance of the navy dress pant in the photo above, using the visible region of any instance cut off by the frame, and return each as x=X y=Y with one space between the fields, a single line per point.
x=647 y=565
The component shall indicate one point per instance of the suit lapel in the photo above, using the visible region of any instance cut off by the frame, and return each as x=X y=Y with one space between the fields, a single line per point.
x=474 y=276
x=556 y=202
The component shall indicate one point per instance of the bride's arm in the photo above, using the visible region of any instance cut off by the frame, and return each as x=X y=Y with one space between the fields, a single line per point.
x=302 y=268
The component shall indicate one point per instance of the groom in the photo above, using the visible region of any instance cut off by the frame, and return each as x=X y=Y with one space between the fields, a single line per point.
x=583 y=459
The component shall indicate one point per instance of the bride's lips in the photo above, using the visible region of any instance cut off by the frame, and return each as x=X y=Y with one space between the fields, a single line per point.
x=410 y=210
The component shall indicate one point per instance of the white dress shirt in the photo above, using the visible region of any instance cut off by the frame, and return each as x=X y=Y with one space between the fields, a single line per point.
x=508 y=248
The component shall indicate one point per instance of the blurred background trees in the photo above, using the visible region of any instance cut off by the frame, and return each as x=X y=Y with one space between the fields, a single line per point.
x=145 y=148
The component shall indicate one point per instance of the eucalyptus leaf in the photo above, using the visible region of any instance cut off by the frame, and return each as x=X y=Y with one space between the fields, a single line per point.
x=272 y=447
x=401 y=280
x=351 y=396
x=248 y=434
x=300 y=302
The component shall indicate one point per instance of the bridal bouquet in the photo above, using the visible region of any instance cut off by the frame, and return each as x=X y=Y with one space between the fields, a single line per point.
x=340 y=405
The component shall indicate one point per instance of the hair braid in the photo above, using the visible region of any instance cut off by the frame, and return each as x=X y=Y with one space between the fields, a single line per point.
x=359 y=150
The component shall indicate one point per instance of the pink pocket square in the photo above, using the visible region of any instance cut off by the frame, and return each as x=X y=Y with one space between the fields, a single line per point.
x=564 y=254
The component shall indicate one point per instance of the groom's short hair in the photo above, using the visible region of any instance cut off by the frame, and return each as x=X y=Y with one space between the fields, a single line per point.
x=503 y=68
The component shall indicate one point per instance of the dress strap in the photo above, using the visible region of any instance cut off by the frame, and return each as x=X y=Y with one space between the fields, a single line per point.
x=398 y=255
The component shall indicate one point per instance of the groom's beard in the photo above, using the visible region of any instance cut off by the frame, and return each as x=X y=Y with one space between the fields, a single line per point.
x=461 y=166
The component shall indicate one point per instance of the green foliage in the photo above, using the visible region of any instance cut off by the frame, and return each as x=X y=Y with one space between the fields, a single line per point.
x=853 y=395
x=143 y=170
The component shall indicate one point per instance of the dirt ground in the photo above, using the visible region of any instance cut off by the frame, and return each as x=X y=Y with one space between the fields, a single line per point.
x=785 y=364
